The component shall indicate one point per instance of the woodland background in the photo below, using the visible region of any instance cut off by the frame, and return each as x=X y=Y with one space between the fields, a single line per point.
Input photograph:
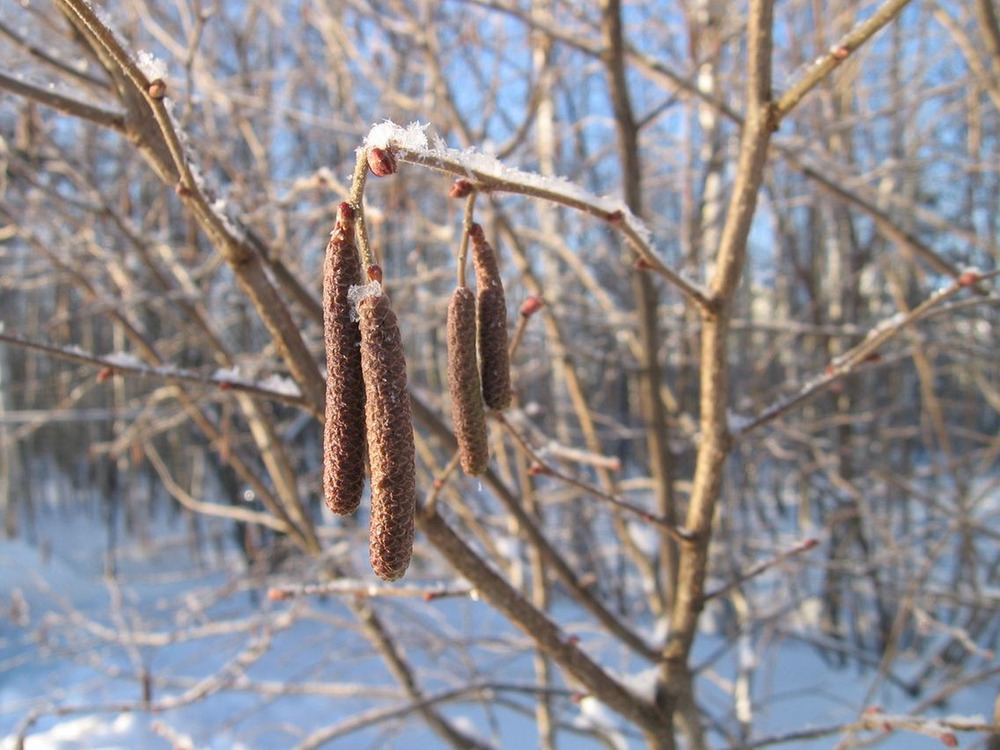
x=760 y=419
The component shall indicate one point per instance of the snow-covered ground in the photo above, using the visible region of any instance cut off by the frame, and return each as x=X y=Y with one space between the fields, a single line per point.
x=223 y=667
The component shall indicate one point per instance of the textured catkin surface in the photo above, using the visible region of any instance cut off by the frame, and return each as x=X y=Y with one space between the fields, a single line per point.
x=390 y=439
x=463 y=383
x=344 y=433
x=492 y=319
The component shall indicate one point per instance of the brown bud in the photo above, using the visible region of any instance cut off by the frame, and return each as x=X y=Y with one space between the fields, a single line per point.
x=382 y=162
x=157 y=89
x=463 y=383
x=968 y=278
x=492 y=321
x=375 y=272
x=390 y=439
x=461 y=188
x=344 y=433
x=531 y=305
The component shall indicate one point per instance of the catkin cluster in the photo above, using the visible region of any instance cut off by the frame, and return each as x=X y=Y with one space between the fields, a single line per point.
x=478 y=321
x=367 y=405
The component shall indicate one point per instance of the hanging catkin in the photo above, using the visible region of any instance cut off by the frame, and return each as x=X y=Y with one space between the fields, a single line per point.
x=390 y=438
x=494 y=360
x=463 y=383
x=344 y=434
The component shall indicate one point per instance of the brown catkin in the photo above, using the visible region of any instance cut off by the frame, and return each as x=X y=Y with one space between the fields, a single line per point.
x=344 y=433
x=463 y=383
x=494 y=361
x=390 y=438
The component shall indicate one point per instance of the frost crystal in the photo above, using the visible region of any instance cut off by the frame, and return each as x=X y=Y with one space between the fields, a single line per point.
x=388 y=134
x=278 y=384
x=359 y=292
x=150 y=65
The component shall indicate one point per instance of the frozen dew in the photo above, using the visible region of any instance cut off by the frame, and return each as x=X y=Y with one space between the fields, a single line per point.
x=151 y=66
x=358 y=292
x=388 y=134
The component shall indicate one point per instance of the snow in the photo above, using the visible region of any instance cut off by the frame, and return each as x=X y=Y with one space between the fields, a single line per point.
x=151 y=66
x=594 y=714
x=74 y=640
x=389 y=135
x=278 y=384
x=358 y=292
x=410 y=142
x=124 y=359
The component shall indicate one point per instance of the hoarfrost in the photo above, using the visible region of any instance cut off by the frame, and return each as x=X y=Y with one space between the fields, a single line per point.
x=121 y=359
x=596 y=715
x=747 y=657
x=642 y=683
x=388 y=134
x=282 y=385
x=229 y=374
x=151 y=66
x=480 y=166
x=646 y=538
x=358 y=292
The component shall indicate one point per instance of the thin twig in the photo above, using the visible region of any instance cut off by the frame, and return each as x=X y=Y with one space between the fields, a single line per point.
x=836 y=55
x=67 y=105
x=543 y=467
x=120 y=364
x=463 y=245
x=370 y=590
x=756 y=570
x=500 y=179
x=357 y=199
x=859 y=355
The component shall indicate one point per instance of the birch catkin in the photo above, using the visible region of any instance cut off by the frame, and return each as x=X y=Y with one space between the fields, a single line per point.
x=463 y=383
x=390 y=438
x=344 y=433
x=494 y=361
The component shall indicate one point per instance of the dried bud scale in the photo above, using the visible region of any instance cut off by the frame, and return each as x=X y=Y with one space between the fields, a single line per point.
x=344 y=432
x=492 y=323
x=461 y=188
x=463 y=383
x=390 y=438
x=531 y=305
x=381 y=161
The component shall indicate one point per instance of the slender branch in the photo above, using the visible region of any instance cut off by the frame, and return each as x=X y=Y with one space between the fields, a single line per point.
x=67 y=105
x=862 y=353
x=835 y=56
x=756 y=570
x=233 y=513
x=117 y=364
x=714 y=397
x=550 y=639
x=427 y=592
x=557 y=564
x=493 y=176
x=204 y=688
x=543 y=467
x=876 y=721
